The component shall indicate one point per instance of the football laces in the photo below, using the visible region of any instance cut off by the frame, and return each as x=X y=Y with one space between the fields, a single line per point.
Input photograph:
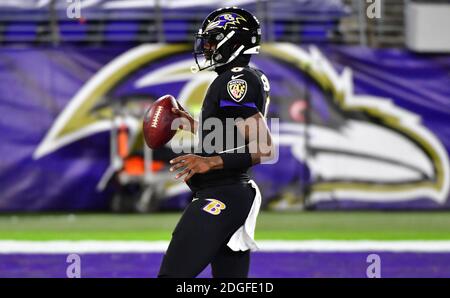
x=156 y=117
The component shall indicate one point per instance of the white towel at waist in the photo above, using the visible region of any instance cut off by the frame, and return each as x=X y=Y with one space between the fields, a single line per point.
x=244 y=238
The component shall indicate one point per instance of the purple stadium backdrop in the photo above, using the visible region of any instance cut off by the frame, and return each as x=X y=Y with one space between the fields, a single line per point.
x=359 y=128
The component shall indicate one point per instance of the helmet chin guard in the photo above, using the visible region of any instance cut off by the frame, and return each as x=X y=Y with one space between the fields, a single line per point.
x=225 y=34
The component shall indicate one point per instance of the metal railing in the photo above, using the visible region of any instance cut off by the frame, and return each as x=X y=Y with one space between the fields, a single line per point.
x=281 y=21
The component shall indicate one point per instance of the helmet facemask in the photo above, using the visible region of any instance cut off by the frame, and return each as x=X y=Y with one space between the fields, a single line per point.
x=214 y=48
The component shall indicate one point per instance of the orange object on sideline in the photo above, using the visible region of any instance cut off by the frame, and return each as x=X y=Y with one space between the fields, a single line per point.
x=134 y=165
x=122 y=139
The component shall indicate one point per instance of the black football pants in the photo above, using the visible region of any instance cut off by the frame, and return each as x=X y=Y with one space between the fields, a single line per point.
x=201 y=236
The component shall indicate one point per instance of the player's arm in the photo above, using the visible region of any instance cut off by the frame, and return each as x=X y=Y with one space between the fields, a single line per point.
x=258 y=137
x=259 y=143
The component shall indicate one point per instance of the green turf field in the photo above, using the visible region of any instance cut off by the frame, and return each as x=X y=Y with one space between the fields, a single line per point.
x=273 y=226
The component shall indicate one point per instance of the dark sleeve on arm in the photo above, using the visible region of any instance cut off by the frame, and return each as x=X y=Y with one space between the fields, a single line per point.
x=240 y=95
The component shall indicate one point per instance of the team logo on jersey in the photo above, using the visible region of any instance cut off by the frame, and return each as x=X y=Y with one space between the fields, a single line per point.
x=237 y=89
x=214 y=206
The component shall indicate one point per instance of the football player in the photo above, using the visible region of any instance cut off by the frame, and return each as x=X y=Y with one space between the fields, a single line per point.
x=217 y=227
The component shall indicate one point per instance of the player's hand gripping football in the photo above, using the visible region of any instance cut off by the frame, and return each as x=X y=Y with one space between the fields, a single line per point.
x=188 y=123
x=192 y=164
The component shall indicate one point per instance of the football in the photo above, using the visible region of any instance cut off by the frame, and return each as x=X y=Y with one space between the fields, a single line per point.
x=158 y=121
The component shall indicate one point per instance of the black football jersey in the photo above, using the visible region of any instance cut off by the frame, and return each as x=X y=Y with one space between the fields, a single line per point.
x=239 y=92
